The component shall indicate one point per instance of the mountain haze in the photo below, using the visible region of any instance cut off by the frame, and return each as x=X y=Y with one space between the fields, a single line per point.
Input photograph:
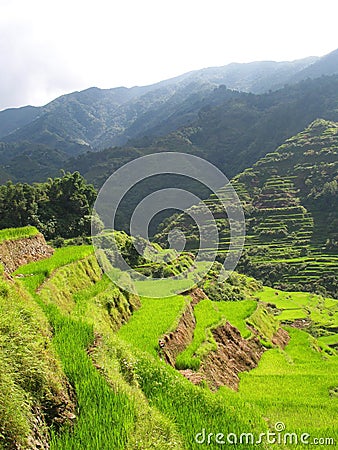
x=97 y=118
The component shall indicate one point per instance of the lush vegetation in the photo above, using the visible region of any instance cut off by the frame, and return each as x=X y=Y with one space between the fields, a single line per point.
x=290 y=204
x=17 y=233
x=32 y=384
x=105 y=343
x=61 y=207
x=81 y=362
x=156 y=317
x=210 y=315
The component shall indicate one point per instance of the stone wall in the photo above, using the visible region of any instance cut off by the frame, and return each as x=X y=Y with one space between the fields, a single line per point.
x=15 y=253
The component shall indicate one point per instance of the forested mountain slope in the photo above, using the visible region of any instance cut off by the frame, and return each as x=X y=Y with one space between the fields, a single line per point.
x=95 y=119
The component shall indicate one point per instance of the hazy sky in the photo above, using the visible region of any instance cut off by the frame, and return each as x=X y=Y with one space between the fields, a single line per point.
x=50 y=47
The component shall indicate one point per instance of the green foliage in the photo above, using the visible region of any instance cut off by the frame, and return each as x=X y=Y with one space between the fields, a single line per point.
x=60 y=207
x=151 y=321
x=234 y=288
x=17 y=233
x=210 y=315
x=30 y=376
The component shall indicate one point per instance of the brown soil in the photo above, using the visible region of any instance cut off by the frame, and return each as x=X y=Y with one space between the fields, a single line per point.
x=234 y=354
x=281 y=338
x=15 y=253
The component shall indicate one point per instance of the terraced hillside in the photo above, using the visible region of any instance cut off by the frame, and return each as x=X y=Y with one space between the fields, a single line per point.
x=290 y=202
x=88 y=366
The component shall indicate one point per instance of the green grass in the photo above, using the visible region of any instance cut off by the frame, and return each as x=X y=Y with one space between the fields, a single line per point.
x=164 y=287
x=105 y=417
x=110 y=413
x=331 y=339
x=155 y=317
x=7 y=234
x=30 y=376
x=209 y=315
x=136 y=401
x=293 y=387
x=300 y=305
x=191 y=408
x=61 y=257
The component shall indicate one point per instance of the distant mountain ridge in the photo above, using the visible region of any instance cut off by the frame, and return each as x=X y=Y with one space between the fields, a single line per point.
x=232 y=129
x=97 y=118
x=36 y=142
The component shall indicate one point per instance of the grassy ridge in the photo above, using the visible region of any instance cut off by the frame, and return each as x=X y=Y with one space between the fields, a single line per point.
x=110 y=414
x=7 y=234
x=60 y=258
x=148 y=324
x=105 y=417
x=209 y=315
x=31 y=379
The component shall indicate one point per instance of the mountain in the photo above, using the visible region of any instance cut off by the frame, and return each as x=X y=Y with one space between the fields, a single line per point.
x=232 y=129
x=97 y=118
x=15 y=118
x=291 y=206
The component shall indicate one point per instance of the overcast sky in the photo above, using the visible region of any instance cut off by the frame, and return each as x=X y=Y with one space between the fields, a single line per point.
x=50 y=47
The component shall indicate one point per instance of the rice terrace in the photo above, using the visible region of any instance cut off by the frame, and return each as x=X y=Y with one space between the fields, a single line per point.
x=147 y=301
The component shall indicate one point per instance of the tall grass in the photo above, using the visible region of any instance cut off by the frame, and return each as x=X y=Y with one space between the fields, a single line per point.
x=17 y=233
x=105 y=418
x=61 y=257
x=209 y=315
x=30 y=376
x=151 y=321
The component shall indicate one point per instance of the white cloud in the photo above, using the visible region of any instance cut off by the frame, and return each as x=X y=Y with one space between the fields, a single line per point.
x=47 y=48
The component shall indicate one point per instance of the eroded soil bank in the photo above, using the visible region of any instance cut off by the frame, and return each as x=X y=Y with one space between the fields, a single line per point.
x=234 y=354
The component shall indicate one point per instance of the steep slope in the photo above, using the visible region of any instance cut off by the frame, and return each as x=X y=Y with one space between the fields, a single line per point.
x=290 y=201
x=326 y=65
x=15 y=118
x=96 y=118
